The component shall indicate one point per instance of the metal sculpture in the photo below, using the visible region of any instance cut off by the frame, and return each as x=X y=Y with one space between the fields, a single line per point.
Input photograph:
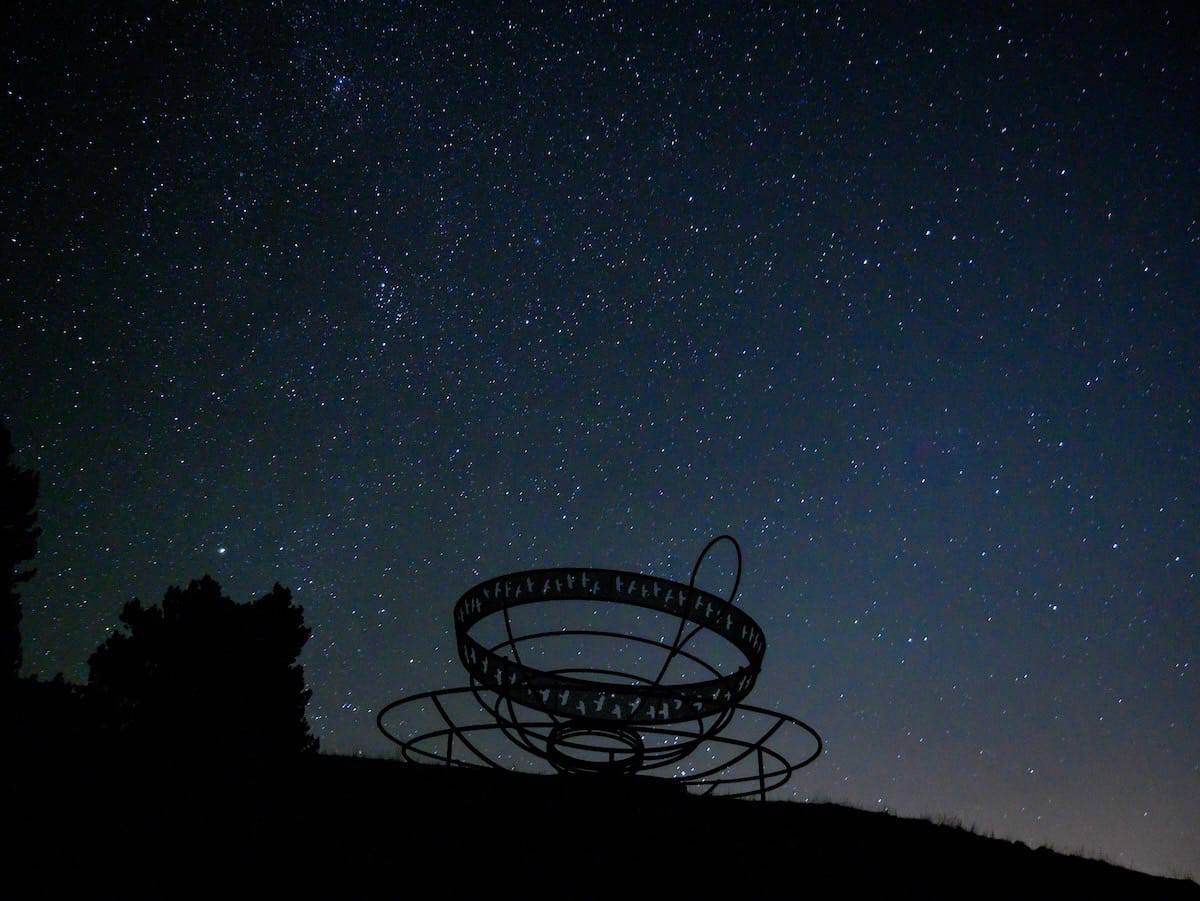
x=603 y=720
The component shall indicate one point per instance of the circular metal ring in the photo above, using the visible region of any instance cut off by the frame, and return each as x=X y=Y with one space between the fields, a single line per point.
x=455 y=744
x=566 y=696
x=586 y=747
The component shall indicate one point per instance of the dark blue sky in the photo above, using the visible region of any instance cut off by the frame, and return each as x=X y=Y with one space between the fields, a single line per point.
x=377 y=301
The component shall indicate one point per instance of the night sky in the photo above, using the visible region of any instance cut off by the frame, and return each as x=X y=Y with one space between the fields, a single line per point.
x=378 y=301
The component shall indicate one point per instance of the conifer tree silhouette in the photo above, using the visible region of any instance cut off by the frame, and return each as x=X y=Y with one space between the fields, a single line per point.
x=202 y=675
x=18 y=544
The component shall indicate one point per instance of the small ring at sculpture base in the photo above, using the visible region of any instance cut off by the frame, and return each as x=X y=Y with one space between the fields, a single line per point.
x=594 y=748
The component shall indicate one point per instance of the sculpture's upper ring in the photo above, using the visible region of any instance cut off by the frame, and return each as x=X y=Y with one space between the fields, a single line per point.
x=577 y=698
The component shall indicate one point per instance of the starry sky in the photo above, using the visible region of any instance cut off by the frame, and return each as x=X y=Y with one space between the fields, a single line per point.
x=379 y=300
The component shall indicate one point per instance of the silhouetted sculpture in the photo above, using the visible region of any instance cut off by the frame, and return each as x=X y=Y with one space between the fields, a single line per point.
x=624 y=723
x=201 y=674
x=18 y=544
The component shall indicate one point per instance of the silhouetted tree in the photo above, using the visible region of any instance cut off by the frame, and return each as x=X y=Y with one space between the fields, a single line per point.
x=54 y=719
x=18 y=544
x=203 y=675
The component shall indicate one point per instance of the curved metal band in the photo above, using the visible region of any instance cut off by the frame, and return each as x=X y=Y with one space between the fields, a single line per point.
x=604 y=701
x=422 y=747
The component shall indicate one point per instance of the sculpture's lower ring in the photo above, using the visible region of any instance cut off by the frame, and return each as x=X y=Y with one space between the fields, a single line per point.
x=457 y=744
x=594 y=748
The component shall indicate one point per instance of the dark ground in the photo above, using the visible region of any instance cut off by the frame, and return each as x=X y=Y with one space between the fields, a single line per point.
x=346 y=826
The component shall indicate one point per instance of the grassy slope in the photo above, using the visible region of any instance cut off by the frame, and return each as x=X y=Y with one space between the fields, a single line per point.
x=376 y=824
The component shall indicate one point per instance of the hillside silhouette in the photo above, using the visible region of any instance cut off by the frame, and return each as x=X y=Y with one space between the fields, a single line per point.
x=387 y=824
x=187 y=760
